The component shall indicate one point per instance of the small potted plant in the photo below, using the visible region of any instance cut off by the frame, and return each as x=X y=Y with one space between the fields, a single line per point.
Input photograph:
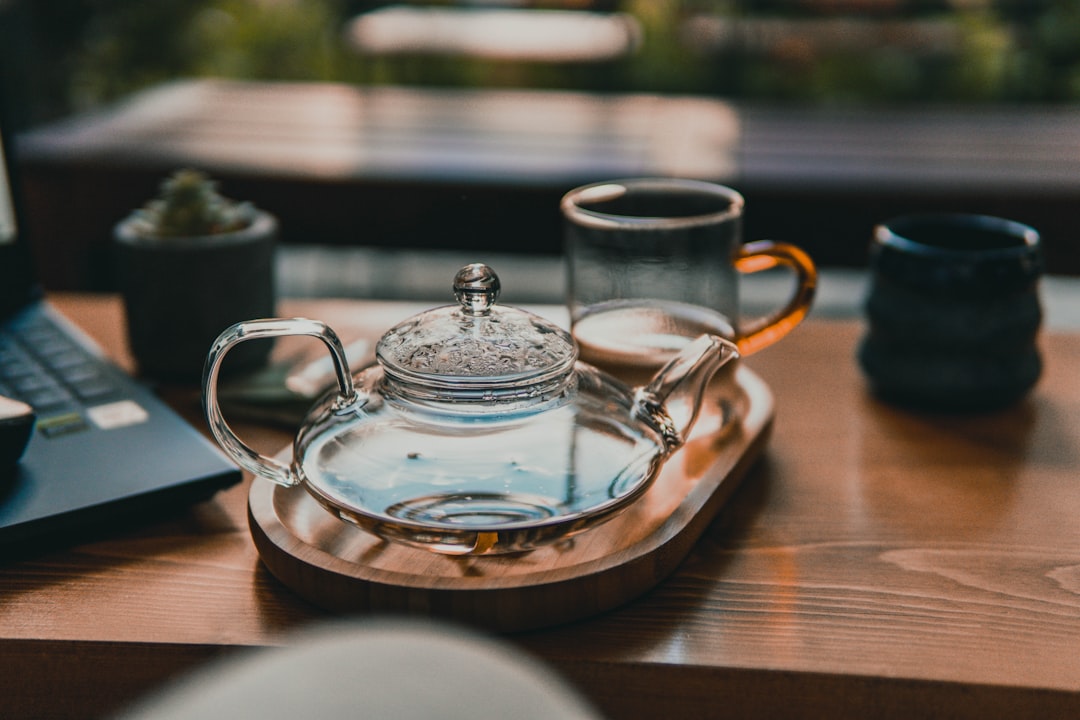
x=189 y=264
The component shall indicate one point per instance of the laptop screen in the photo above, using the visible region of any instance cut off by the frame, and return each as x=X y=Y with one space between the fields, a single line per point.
x=18 y=284
x=7 y=205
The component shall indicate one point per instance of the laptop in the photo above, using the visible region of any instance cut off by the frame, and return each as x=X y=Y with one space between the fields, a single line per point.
x=105 y=450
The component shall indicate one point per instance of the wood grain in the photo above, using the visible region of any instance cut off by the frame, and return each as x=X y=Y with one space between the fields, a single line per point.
x=875 y=563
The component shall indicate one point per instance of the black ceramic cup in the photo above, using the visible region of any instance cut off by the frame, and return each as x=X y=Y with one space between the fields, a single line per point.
x=953 y=312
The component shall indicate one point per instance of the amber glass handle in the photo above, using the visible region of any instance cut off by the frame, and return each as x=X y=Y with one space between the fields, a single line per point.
x=765 y=255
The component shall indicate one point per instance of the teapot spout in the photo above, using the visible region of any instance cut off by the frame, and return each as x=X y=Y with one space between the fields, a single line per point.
x=673 y=397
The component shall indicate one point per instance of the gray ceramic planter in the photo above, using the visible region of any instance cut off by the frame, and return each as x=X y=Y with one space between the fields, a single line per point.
x=181 y=292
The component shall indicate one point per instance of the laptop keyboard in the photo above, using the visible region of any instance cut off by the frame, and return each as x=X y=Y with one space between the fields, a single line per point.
x=45 y=368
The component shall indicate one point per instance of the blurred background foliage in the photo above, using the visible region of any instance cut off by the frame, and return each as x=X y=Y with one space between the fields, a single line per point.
x=823 y=52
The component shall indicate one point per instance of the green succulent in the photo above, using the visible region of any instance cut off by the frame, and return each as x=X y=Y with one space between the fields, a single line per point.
x=189 y=205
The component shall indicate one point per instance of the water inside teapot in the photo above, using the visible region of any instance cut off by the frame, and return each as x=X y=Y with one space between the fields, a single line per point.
x=468 y=475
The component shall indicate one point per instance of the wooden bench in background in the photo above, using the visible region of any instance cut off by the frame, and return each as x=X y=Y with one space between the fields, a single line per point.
x=483 y=170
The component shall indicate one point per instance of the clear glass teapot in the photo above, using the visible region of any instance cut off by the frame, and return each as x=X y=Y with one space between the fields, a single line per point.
x=477 y=431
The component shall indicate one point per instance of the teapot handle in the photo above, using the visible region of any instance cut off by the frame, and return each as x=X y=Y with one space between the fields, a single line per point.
x=233 y=446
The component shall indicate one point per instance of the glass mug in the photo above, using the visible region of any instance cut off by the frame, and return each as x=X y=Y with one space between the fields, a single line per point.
x=653 y=263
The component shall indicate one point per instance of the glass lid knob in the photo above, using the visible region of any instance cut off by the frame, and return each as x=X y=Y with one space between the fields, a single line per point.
x=476 y=288
x=476 y=342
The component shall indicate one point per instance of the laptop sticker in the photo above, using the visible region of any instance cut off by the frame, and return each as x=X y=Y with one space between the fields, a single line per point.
x=118 y=414
x=55 y=425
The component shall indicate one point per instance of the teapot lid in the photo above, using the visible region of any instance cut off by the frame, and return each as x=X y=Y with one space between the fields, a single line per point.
x=476 y=344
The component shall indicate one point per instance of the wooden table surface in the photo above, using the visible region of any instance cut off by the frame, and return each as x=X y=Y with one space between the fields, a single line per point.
x=875 y=563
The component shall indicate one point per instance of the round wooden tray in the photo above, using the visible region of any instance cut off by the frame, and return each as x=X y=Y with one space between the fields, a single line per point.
x=339 y=567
